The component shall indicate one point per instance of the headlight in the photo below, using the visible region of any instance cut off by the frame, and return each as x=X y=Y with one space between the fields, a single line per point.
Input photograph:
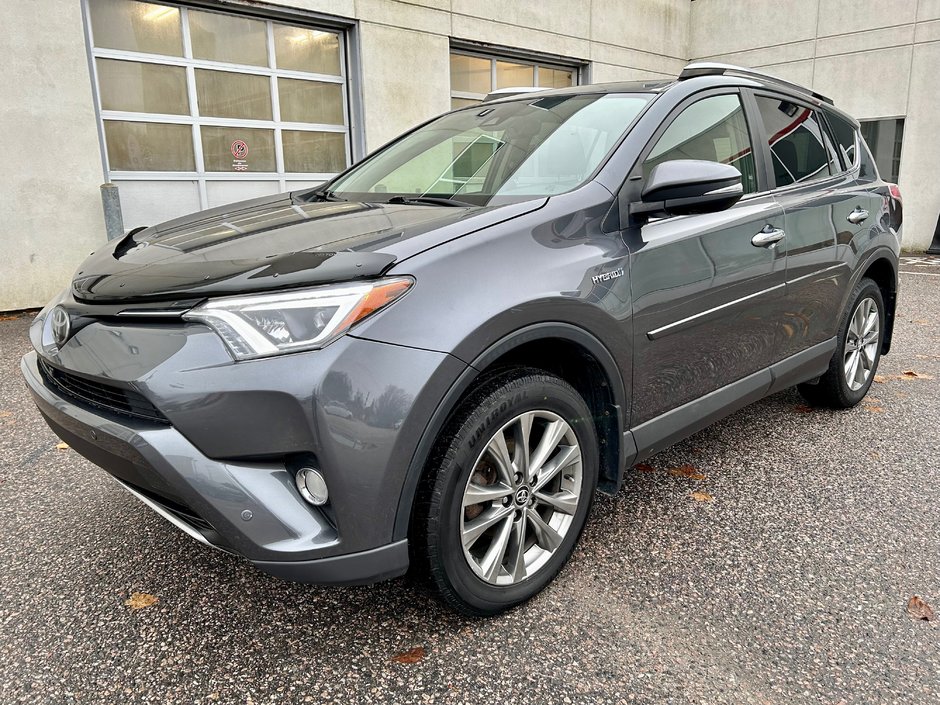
x=268 y=324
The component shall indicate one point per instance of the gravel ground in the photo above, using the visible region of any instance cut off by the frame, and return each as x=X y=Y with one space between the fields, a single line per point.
x=791 y=586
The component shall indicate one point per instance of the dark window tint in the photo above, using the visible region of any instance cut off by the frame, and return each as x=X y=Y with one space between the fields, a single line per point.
x=797 y=144
x=884 y=138
x=846 y=138
x=713 y=129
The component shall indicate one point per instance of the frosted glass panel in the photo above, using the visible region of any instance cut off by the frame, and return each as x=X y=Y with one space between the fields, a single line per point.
x=142 y=88
x=309 y=50
x=149 y=146
x=470 y=74
x=233 y=95
x=237 y=149
x=310 y=101
x=228 y=38
x=316 y=152
x=136 y=26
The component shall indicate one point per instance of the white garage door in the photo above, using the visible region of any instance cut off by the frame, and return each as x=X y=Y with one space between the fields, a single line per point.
x=200 y=108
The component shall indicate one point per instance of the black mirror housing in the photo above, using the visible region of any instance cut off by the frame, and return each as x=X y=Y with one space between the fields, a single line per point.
x=688 y=187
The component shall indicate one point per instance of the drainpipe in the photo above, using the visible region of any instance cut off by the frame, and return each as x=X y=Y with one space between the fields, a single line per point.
x=111 y=203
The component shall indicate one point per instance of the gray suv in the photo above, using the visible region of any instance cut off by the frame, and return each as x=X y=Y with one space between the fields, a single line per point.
x=435 y=359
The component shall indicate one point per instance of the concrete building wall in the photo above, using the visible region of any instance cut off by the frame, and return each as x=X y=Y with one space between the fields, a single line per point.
x=874 y=58
x=50 y=208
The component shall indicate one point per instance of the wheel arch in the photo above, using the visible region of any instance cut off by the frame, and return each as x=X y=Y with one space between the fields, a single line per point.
x=562 y=349
x=884 y=273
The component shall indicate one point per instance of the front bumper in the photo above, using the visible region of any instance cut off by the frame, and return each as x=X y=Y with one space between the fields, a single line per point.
x=247 y=504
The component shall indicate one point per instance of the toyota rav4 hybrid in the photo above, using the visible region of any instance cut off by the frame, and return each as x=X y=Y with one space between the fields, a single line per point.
x=436 y=359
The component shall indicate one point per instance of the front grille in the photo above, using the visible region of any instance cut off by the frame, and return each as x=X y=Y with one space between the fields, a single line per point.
x=125 y=402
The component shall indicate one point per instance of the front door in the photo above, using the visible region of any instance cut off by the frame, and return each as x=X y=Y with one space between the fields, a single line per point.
x=707 y=300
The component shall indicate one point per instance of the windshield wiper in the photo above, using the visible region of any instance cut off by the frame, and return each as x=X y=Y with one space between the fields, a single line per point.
x=429 y=200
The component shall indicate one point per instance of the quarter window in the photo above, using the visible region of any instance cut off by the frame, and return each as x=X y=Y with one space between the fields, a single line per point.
x=846 y=138
x=713 y=129
x=797 y=143
x=472 y=76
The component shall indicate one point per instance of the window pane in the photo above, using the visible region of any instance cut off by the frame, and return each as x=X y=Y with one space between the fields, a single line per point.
x=310 y=101
x=846 y=138
x=149 y=146
x=236 y=40
x=884 y=138
x=462 y=102
x=512 y=75
x=233 y=95
x=470 y=74
x=713 y=129
x=314 y=152
x=299 y=49
x=796 y=141
x=237 y=149
x=142 y=88
x=136 y=26
x=555 y=78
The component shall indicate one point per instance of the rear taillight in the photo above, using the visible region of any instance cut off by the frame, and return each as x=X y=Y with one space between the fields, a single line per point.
x=895 y=192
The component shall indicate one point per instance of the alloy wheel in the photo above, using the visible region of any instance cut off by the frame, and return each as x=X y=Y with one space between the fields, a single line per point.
x=521 y=497
x=861 y=344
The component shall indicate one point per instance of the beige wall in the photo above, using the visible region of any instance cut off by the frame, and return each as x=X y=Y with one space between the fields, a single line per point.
x=50 y=208
x=875 y=58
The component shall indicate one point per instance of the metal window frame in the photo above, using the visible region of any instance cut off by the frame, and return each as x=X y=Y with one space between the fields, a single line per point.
x=348 y=79
x=535 y=59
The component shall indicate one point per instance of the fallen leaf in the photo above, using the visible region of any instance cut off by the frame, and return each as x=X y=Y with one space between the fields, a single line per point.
x=803 y=409
x=644 y=467
x=880 y=379
x=62 y=446
x=918 y=609
x=8 y=318
x=686 y=471
x=874 y=409
x=702 y=497
x=141 y=600
x=910 y=374
x=410 y=656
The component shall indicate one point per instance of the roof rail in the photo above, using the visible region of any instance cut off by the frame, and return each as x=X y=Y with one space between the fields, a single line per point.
x=507 y=92
x=707 y=68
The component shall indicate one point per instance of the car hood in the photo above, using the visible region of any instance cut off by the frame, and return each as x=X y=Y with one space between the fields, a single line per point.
x=273 y=243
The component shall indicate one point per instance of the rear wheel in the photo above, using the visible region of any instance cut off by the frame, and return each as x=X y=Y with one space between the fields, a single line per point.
x=855 y=361
x=507 y=492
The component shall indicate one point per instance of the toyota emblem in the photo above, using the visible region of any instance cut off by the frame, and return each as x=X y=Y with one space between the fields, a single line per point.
x=61 y=325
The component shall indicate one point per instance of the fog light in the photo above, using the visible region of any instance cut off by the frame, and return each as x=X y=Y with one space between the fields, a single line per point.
x=312 y=486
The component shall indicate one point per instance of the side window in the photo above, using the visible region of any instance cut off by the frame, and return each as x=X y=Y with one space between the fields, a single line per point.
x=796 y=140
x=713 y=129
x=846 y=138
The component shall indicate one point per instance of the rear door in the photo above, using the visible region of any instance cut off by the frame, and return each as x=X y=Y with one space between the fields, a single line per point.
x=818 y=200
x=707 y=300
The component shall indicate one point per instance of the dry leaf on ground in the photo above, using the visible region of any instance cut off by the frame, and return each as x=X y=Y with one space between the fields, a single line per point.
x=702 y=497
x=874 y=409
x=62 y=446
x=687 y=471
x=911 y=374
x=644 y=467
x=141 y=600
x=803 y=409
x=880 y=379
x=410 y=656
x=918 y=609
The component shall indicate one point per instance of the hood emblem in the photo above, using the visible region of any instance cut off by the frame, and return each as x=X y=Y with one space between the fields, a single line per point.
x=61 y=325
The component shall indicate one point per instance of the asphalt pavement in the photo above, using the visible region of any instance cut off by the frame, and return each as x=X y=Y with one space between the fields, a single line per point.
x=782 y=576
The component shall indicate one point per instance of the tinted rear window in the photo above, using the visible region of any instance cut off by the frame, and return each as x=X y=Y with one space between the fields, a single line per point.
x=796 y=139
x=846 y=137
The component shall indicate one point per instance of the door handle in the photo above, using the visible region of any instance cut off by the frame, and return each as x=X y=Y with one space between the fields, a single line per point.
x=857 y=216
x=768 y=237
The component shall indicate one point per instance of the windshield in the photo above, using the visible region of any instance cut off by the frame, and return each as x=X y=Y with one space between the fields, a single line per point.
x=497 y=152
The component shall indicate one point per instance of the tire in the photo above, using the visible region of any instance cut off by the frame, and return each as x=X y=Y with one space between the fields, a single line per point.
x=838 y=388
x=470 y=552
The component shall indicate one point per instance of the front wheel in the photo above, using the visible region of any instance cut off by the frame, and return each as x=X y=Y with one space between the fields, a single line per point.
x=858 y=351
x=507 y=492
